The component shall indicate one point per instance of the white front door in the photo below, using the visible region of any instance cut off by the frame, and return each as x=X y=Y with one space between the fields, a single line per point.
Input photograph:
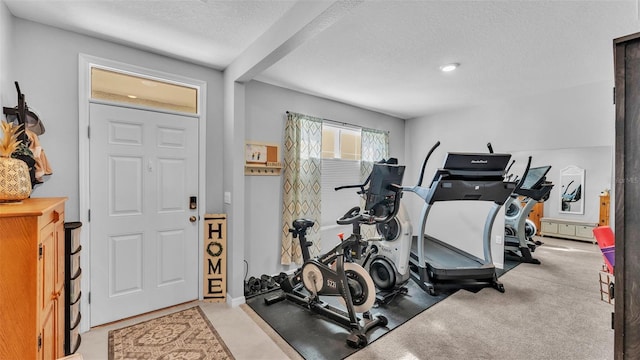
x=144 y=243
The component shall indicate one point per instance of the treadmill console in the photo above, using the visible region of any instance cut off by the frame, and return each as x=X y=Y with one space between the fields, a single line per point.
x=534 y=185
x=535 y=177
x=472 y=176
x=477 y=162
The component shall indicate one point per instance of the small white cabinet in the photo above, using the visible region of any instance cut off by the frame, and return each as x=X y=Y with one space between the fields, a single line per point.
x=567 y=229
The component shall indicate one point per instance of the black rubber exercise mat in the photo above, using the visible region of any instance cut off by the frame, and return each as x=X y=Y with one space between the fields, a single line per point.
x=316 y=337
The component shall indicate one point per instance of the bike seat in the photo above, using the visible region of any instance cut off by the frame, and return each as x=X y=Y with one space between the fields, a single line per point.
x=300 y=224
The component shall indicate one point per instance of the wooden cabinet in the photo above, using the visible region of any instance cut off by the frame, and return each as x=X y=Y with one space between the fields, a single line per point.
x=32 y=279
x=567 y=229
x=604 y=209
x=536 y=214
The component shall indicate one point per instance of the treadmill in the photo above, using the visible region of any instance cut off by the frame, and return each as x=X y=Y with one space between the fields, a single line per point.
x=437 y=265
x=535 y=188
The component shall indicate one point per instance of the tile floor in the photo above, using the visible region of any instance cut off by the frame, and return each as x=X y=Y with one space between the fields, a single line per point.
x=240 y=332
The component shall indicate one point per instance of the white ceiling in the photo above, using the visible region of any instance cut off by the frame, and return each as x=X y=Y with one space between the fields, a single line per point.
x=379 y=55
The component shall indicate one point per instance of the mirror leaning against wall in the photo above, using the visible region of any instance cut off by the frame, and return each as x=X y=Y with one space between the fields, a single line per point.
x=571 y=190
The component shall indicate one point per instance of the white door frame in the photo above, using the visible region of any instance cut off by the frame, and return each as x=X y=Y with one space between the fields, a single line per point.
x=85 y=63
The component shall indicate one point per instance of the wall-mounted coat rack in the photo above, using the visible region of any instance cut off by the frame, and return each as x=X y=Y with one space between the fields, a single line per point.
x=262 y=159
x=20 y=111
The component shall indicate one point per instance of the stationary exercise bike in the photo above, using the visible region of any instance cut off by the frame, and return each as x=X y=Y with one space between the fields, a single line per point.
x=336 y=273
x=386 y=256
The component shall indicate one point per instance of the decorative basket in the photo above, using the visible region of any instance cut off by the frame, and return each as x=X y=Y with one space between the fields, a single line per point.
x=15 y=181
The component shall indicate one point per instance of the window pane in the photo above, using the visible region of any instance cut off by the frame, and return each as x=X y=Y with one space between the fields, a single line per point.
x=350 y=144
x=125 y=88
x=336 y=172
x=329 y=142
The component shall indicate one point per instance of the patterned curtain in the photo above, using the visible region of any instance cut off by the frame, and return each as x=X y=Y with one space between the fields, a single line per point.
x=375 y=147
x=301 y=195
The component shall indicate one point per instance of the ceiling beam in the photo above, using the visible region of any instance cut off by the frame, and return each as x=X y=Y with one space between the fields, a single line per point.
x=302 y=22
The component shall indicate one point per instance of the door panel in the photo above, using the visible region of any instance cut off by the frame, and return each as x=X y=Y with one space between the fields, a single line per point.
x=144 y=249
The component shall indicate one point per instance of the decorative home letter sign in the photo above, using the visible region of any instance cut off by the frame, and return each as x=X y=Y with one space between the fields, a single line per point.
x=215 y=257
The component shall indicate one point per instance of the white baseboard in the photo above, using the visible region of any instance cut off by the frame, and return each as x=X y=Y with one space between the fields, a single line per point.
x=234 y=302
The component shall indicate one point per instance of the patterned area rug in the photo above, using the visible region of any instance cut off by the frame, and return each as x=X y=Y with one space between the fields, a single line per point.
x=185 y=335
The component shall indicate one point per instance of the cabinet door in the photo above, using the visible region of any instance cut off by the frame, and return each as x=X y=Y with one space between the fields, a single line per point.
x=59 y=306
x=566 y=229
x=604 y=210
x=549 y=227
x=584 y=231
x=60 y=253
x=51 y=302
x=47 y=258
x=47 y=340
x=536 y=214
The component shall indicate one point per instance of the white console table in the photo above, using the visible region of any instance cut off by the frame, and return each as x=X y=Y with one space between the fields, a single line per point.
x=567 y=229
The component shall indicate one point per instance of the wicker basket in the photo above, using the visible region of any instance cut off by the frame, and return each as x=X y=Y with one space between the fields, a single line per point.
x=15 y=181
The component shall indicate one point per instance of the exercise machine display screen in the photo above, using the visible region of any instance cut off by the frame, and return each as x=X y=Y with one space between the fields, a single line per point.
x=535 y=177
x=382 y=176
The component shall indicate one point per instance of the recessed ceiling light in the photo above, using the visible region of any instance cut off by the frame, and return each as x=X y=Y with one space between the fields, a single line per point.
x=132 y=96
x=449 y=67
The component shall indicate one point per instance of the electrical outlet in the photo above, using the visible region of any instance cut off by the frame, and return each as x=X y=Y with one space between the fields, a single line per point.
x=227 y=197
x=498 y=239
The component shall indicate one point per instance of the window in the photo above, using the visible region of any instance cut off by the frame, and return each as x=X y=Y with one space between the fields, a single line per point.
x=124 y=88
x=341 y=154
x=340 y=143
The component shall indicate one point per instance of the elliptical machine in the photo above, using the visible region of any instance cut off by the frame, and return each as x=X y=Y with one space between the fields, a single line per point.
x=336 y=273
x=519 y=230
x=386 y=257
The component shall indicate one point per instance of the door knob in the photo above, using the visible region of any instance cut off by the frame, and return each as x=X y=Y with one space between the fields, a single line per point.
x=192 y=218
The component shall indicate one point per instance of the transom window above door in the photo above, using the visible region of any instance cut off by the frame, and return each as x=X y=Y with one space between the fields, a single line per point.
x=132 y=89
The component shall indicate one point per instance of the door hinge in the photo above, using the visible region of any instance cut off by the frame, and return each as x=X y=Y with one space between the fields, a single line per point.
x=39 y=342
x=89 y=132
x=89 y=215
x=613 y=321
x=39 y=251
x=89 y=297
x=614 y=95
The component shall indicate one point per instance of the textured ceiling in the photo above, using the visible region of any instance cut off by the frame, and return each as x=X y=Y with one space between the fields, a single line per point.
x=386 y=55
x=211 y=33
x=380 y=55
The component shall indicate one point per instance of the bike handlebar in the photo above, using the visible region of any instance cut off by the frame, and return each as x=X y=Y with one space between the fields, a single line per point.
x=355 y=216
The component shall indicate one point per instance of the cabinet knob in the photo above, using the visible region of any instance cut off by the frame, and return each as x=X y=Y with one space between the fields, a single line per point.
x=56 y=295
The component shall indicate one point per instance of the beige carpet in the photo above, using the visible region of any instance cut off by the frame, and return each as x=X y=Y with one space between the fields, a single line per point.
x=186 y=334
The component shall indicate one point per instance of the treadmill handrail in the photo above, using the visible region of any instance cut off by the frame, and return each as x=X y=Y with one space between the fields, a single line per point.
x=424 y=163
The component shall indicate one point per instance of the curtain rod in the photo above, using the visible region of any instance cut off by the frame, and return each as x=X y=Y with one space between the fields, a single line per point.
x=344 y=123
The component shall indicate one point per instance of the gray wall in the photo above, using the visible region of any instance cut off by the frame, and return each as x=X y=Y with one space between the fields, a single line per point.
x=46 y=65
x=47 y=70
x=265 y=120
x=595 y=160
x=579 y=119
x=7 y=90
